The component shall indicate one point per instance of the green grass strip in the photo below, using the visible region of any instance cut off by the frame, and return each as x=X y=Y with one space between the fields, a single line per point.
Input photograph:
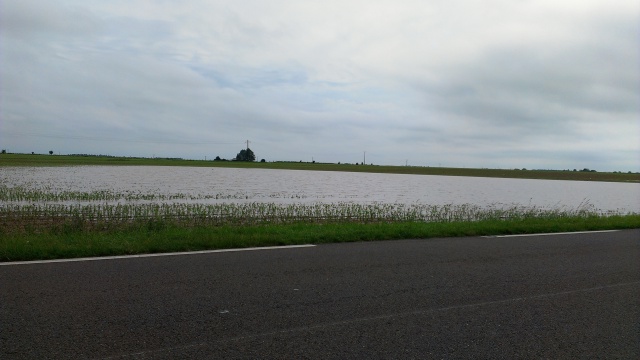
x=82 y=243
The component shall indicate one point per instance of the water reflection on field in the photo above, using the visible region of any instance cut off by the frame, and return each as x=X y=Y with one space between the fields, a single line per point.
x=214 y=185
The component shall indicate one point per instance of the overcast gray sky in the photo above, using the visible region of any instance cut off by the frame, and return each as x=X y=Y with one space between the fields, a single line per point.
x=493 y=83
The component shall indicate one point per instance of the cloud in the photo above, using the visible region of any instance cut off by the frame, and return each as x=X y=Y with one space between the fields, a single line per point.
x=29 y=18
x=459 y=83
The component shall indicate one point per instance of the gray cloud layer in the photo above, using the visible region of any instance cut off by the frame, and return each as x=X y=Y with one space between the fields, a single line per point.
x=533 y=84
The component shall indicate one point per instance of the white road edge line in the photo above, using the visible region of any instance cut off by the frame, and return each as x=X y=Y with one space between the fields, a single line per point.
x=548 y=234
x=154 y=255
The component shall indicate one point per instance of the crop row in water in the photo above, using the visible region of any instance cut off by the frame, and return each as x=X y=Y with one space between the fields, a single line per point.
x=23 y=194
x=20 y=194
x=192 y=214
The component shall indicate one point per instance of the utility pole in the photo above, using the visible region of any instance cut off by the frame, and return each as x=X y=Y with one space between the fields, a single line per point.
x=364 y=159
x=247 y=144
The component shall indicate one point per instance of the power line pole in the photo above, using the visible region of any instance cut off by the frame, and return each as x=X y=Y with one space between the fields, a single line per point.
x=247 y=144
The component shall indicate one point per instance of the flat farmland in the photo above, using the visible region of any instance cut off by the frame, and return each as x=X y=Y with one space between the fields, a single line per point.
x=66 y=160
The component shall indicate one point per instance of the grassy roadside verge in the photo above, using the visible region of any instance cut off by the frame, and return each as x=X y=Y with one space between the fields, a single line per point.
x=9 y=160
x=74 y=243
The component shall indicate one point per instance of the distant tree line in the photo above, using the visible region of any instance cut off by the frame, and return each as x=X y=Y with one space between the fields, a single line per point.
x=244 y=155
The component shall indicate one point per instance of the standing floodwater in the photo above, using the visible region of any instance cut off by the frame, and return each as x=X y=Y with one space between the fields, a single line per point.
x=216 y=185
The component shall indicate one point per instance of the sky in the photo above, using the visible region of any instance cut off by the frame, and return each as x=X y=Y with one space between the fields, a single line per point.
x=541 y=84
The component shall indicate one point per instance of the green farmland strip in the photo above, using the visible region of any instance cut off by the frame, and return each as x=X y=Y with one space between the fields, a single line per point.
x=69 y=160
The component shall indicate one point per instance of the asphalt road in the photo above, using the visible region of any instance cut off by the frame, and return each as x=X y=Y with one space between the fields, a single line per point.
x=560 y=296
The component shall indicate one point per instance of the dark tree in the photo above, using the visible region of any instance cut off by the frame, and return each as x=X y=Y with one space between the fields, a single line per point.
x=246 y=155
x=50 y=152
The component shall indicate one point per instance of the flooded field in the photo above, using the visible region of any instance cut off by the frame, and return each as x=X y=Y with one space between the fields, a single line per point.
x=113 y=196
x=121 y=184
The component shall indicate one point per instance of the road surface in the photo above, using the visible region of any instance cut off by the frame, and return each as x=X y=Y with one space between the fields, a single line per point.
x=552 y=296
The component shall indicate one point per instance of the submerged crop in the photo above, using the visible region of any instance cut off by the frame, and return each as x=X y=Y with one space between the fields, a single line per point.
x=113 y=216
x=32 y=210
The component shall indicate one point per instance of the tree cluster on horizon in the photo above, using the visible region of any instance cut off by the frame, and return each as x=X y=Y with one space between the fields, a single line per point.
x=244 y=155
